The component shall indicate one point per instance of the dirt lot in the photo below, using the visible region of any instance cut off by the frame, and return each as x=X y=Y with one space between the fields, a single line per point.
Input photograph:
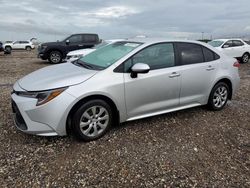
x=190 y=148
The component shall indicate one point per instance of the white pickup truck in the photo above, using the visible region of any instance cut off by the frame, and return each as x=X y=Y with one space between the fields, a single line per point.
x=236 y=48
x=19 y=45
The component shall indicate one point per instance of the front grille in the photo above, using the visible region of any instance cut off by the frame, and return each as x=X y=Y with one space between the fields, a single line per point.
x=20 y=123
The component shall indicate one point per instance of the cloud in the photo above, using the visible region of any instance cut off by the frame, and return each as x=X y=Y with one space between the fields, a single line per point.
x=247 y=28
x=113 y=12
x=122 y=19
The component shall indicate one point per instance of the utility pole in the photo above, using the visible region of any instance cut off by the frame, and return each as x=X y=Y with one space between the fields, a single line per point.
x=202 y=35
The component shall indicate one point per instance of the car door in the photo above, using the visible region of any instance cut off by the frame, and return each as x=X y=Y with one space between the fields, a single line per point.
x=17 y=45
x=228 y=48
x=75 y=42
x=156 y=91
x=238 y=48
x=197 y=72
x=23 y=44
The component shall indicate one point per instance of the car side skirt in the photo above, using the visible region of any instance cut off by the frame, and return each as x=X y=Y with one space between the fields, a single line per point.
x=164 y=111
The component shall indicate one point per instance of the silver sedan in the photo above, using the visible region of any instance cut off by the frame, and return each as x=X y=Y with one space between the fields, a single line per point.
x=123 y=81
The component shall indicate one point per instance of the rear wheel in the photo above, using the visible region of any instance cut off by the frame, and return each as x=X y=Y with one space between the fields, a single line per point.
x=55 y=57
x=245 y=58
x=219 y=96
x=92 y=120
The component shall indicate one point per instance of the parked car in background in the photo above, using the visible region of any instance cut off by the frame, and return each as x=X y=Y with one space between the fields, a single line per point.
x=55 y=52
x=3 y=50
x=76 y=54
x=236 y=48
x=120 y=82
x=248 y=42
x=19 y=45
x=1 y=47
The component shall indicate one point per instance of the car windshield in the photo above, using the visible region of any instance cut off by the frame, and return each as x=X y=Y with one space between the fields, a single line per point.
x=109 y=54
x=216 y=43
x=62 y=39
x=104 y=43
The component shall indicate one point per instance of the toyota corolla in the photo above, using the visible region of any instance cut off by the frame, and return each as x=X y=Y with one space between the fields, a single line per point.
x=123 y=81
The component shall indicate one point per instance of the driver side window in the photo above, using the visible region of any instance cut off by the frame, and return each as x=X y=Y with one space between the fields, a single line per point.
x=228 y=44
x=157 y=57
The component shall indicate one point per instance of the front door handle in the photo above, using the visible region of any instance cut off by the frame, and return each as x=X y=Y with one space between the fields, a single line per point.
x=210 y=68
x=80 y=45
x=174 y=74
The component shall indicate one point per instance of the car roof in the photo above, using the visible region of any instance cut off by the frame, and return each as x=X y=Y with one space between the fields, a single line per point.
x=227 y=39
x=84 y=34
x=160 y=40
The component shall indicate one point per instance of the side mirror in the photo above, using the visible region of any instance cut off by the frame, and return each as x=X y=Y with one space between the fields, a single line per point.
x=67 y=42
x=226 y=46
x=139 y=68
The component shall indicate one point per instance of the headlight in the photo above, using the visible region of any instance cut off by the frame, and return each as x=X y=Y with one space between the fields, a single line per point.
x=43 y=96
x=43 y=47
x=77 y=56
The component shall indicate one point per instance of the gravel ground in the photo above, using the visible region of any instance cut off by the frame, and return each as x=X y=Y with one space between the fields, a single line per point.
x=189 y=148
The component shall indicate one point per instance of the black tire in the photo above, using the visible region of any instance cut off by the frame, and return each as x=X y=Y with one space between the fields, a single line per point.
x=55 y=57
x=245 y=58
x=7 y=52
x=28 y=48
x=213 y=97
x=79 y=116
x=8 y=48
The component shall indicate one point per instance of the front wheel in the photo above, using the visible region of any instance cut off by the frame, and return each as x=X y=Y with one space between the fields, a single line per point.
x=245 y=58
x=55 y=57
x=92 y=120
x=8 y=49
x=28 y=48
x=218 y=97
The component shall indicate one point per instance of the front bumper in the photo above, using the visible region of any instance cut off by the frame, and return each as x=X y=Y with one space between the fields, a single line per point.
x=41 y=53
x=41 y=56
x=45 y=120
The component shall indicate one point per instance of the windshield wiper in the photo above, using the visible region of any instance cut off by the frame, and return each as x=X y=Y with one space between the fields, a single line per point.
x=86 y=65
x=82 y=64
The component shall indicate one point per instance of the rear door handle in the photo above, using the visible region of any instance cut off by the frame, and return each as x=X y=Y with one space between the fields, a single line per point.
x=80 y=45
x=210 y=68
x=174 y=74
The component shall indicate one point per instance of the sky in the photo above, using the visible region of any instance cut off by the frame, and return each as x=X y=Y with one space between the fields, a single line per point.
x=50 y=20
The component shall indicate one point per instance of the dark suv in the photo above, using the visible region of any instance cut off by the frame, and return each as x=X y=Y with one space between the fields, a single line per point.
x=55 y=52
x=1 y=47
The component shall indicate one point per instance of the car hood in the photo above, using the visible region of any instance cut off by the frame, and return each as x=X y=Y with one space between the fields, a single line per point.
x=81 y=52
x=218 y=48
x=55 y=76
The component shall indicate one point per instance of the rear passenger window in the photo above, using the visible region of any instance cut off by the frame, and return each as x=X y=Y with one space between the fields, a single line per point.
x=237 y=43
x=216 y=56
x=89 y=38
x=190 y=53
x=208 y=54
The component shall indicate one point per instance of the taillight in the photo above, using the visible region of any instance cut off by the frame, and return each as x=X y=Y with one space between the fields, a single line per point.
x=237 y=64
